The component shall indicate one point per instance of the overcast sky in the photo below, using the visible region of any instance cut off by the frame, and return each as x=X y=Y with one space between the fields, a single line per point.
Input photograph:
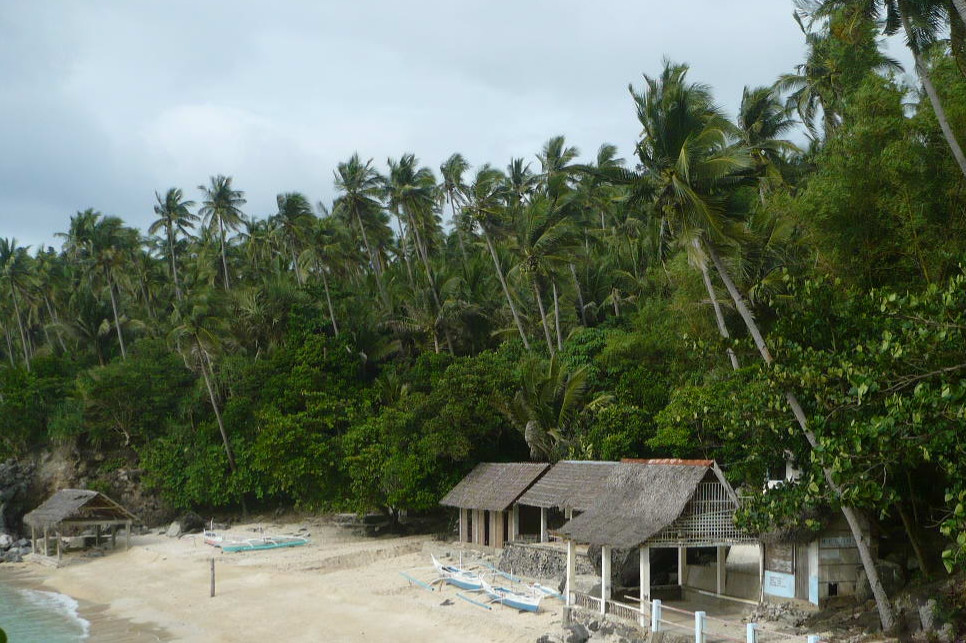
x=104 y=102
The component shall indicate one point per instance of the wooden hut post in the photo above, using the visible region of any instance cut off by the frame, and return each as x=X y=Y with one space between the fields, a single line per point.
x=761 y=572
x=46 y=543
x=682 y=566
x=496 y=532
x=114 y=536
x=571 y=565
x=720 y=568
x=33 y=540
x=604 y=577
x=543 y=524
x=515 y=525
x=97 y=535
x=462 y=525
x=127 y=535
x=60 y=542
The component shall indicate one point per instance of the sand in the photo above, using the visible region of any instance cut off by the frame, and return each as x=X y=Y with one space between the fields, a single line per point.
x=340 y=587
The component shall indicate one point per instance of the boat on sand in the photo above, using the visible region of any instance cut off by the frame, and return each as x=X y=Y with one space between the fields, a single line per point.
x=233 y=544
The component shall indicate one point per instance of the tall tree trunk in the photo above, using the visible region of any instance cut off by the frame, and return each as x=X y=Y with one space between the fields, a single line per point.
x=543 y=317
x=174 y=264
x=913 y=539
x=404 y=247
x=580 y=296
x=886 y=614
x=960 y=6
x=506 y=290
x=718 y=315
x=214 y=405
x=556 y=315
x=224 y=259
x=459 y=231
x=23 y=335
x=375 y=260
x=937 y=106
x=117 y=319
x=295 y=267
x=6 y=334
x=424 y=257
x=53 y=315
x=328 y=300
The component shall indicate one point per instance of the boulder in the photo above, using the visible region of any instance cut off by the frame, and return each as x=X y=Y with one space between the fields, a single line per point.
x=12 y=556
x=174 y=530
x=576 y=633
x=6 y=542
x=192 y=523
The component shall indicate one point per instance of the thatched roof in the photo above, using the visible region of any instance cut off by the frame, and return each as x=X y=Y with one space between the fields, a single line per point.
x=494 y=486
x=640 y=499
x=77 y=506
x=570 y=484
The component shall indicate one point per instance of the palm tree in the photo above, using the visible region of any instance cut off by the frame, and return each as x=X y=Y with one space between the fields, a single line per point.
x=198 y=333
x=361 y=188
x=921 y=21
x=221 y=209
x=294 y=219
x=453 y=190
x=555 y=165
x=174 y=217
x=14 y=271
x=110 y=246
x=686 y=156
x=763 y=121
x=549 y=407
x=484 y=208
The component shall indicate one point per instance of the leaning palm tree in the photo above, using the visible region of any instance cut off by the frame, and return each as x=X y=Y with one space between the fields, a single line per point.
x=221 y=209
x=691 y=168
x=174 y=217
x=921 y=21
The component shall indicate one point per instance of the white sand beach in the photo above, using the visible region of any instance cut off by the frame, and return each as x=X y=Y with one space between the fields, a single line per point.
x=340 y=587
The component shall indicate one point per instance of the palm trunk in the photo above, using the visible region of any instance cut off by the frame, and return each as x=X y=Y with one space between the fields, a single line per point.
x=23 y=335
x=543 y=316
x=506 y=290
x=6 y=334
x=459 y=232
x=404 y=247
x=556 y=315
x=53 y=316
x=174 y=265
x=224 y=260
x=424 y=257
x=328 y=300
x=718 y=315
x=295 y=267
x=376 y=263
x=886 y=614
x=960 y=6
x=580 y=296
x=214 y=405
x=934 y=98
x=117 y=320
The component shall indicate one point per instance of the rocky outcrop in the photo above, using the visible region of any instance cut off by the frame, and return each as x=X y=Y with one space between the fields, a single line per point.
x=16 y=479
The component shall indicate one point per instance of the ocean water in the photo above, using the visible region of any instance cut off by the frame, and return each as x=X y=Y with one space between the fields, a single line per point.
x=35 y=616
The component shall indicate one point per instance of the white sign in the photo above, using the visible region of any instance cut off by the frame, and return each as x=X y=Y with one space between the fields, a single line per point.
x=781 y=585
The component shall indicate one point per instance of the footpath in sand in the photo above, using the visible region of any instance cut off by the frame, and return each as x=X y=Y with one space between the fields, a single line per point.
x=339 y=587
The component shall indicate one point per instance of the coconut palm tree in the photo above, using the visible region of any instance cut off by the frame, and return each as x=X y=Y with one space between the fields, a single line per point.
x=453 y=190
x=294 y=219
x=359 y=204
x=762 y=122
x=15 y=273
x=221 y=209
x=174 y=217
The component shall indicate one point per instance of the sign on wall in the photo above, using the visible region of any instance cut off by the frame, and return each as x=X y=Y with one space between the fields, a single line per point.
x=781 y=585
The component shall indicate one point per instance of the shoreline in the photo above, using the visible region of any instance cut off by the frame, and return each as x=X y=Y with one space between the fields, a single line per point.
x=339 y=587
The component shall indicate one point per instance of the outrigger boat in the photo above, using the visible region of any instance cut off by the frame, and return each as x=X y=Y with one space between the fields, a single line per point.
x=232 y=545
x=525 y=602
x=462 y=578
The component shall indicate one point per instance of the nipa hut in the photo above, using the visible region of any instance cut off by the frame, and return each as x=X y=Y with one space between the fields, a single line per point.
x=567 y=490
x=485 y=498
x=649 y=504
x=71 y=510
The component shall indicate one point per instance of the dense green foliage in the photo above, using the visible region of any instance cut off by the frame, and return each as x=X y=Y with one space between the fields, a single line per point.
x=332 y=360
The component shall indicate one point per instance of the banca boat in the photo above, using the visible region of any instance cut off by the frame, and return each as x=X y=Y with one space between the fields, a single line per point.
x=462 y=578
x=236 y=544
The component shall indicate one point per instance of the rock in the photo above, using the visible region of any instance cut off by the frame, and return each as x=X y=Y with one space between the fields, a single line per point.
x=6 y=542
x=174 y=530
x=12 y=556
x=549 y=638
x=191 y=523
x=927 y=615
x=594 y=625
x=23 y=542
x=446 y=603
x=576 y=633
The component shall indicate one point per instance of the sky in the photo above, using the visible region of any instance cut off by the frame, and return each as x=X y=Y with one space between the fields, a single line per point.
x=105 y=102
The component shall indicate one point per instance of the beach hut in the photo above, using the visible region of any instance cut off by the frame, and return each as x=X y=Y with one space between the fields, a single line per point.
x=566 y=491
x=75 y=509
x=486 y=496
x=648 y=504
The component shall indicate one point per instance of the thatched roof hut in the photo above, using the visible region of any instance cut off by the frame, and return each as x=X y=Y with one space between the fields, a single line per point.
x=494 y=486
x=667 y=502
x=570 y=484
x=78 y=507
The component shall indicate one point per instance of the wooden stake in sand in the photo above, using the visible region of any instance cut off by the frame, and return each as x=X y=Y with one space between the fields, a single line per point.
x=212 y=577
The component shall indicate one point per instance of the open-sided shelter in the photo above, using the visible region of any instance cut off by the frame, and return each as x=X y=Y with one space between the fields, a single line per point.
x=570 y=487
x=71 y=509
x=658 y=503
x=485 y=498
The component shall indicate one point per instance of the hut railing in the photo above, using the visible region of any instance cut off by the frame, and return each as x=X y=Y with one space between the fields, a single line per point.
x=585 y=601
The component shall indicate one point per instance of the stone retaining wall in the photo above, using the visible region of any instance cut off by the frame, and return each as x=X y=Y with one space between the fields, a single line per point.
x=542 y=562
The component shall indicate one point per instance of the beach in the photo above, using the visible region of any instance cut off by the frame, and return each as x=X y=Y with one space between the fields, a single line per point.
x=339 y=587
